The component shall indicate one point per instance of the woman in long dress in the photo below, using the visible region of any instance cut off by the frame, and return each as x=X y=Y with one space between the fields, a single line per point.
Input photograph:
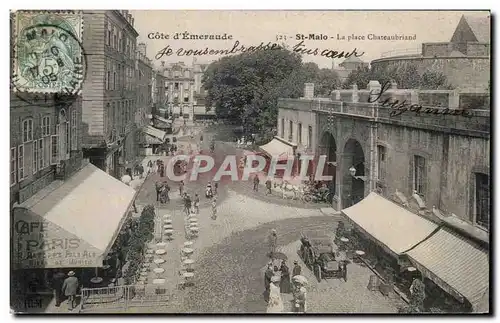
x=275 y=304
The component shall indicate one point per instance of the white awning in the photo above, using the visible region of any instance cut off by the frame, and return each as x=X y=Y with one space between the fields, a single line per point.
x=71 y=223
x=279 y=149
x=157 y=117
x=157 y=133
x=393 y=226
x=455 y=265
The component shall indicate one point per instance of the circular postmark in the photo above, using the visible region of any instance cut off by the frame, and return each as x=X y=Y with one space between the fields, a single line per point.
x=49 y=65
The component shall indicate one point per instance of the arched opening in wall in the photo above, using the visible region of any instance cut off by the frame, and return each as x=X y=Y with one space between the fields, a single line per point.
x=328 y=147
x=353 y=173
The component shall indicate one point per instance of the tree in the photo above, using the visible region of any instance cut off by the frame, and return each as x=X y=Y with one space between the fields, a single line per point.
x=406 y=76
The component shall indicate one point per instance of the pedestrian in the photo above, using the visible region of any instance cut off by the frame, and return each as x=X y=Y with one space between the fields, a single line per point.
x=285 y=286
x=69 y=288
x=162 y=170
x=300 y=298
x=267 y=280
x=158 y=186
x=141 y=170
x=296 y=269
x=273 y=241
x=268 y=186
x=256 y=182
x=275 y=303
x=181 y=188
x=216 y=186
x=197 y=203
x=187 y=204
x=167 y=191
x=57 y=283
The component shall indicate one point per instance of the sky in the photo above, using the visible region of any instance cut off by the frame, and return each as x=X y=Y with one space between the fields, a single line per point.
x=251 y=28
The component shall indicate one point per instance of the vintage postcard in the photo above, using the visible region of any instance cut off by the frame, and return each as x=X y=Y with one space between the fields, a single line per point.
x=250 y=162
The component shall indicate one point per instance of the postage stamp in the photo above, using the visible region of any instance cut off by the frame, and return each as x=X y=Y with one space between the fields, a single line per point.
x=48 y=56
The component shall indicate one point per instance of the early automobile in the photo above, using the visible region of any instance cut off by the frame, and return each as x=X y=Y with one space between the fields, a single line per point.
x=318 y=253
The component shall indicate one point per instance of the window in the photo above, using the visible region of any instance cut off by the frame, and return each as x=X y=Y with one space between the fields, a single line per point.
x=114 y=80
x=108 y=38
x=45 y=126
x=309 y=136
x=27 y=130
x=482 y=200
x=419 y=174
x=35 y=156
x=113 y=117
x=299 y=133
x=20 y=162
x=74 y=133
x=186 y=99
x=108 y=80
x=381 y=152
x=41 y=155
x=13 y=166
x=54 y=150
x=176 y=86
x=67 y=143
x=283 y=128
x=290 y=129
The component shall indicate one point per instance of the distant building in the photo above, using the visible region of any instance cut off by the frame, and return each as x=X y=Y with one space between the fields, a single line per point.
x=349 y=65
x=465 y=59
x=179 y=89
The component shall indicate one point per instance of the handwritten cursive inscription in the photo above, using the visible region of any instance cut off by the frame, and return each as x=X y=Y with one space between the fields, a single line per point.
x=237 y=48
x=302 y=49
x=401 y=107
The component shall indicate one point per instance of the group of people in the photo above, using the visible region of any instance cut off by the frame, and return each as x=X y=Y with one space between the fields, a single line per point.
x=256 y=182
x=277 y=280
x=162 y=192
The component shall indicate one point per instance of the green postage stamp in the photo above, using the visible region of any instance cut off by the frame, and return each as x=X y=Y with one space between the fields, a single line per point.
x=48 y=55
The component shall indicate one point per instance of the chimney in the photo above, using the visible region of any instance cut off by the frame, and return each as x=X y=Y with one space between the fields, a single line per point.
x=308 y=90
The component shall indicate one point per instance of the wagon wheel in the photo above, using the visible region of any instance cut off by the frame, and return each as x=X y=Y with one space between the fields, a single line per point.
x=317 y=271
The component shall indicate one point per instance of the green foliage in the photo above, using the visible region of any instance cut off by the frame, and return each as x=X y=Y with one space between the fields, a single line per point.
x=246 y=87
x=406 y=76
x=141 y=233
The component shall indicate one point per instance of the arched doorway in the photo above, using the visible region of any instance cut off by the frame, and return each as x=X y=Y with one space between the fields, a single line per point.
x=328 y=147
x=354 y=173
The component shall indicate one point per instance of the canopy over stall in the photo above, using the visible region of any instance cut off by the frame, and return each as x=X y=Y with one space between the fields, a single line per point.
x=458 y=267
x=277 y=148
x=71 y=223
x=155 y=133
x=392 y=226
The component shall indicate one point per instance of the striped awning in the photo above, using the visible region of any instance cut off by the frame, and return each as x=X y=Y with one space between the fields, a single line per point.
x=455 y=265
x=395 y=228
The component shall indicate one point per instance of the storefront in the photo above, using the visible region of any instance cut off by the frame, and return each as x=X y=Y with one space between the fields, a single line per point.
x=68 y=225
x=458 y=267
x=154 y=140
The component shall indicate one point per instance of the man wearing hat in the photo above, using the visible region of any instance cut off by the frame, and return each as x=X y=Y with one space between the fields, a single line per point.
x=69 y=288
x=267 y=280
x=273 y=243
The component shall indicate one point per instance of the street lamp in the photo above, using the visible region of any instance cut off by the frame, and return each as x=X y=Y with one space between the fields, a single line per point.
x=352 y=171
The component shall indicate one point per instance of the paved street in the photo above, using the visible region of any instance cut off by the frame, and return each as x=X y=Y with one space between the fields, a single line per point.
x=230 y=252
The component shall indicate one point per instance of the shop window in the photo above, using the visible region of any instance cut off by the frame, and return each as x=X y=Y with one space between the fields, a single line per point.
x=482 y=200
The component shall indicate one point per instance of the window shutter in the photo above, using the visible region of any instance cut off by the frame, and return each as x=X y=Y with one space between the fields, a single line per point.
x=47 y=151
x=54 y=150
x=34 y=156
x=424 y=177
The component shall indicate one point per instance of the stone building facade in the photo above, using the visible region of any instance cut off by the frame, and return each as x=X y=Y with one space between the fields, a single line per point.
x=179 y=89
x=109 y=92
x=439 y=165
